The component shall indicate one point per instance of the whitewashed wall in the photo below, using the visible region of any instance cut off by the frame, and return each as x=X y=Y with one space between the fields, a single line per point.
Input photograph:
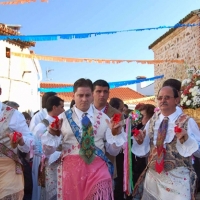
x=23 y=90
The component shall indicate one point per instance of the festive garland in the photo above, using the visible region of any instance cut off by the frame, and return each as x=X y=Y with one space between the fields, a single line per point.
x=78 y=35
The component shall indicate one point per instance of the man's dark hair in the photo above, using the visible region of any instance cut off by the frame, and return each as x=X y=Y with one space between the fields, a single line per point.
x=115 y=102
x=175 y=91
x=26 y=115
x=82 y=82
x=173 y=83
x=12 y=104
x=72 y=103
x=45 y=98
x=5 y=102
x=53 y=101
x=125 y=105
x=101 y=83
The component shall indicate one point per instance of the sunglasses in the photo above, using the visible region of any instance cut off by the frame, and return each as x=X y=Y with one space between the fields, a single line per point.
x=159 y=98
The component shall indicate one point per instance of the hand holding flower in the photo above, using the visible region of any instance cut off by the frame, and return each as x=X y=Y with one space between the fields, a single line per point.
x=15 y=139
x=139 y=135
x=55 y=126
x=116 y=118
x=181 y=134
x=115 y=124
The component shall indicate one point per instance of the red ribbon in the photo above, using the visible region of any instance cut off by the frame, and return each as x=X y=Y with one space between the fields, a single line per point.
x=16 y=136
x=55 y=123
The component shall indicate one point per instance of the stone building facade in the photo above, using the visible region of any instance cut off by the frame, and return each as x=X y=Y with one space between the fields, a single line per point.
x=177 y=44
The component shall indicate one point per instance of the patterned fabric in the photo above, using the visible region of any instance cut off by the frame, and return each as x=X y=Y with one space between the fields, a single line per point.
x=10 y=154
x=172 y=158
x=4 y=124
x=159 y=143
x=51 y=181
x=16 y=196
x=10 y=182
x=81 y=181
x=76 y=132
x=5 y=147
x=87 y=141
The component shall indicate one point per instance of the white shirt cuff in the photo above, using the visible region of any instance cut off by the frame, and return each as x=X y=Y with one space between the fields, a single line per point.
x=50 y=140
x=118 y=140
x=28 y=139
x=141 y=149
x=188 y=147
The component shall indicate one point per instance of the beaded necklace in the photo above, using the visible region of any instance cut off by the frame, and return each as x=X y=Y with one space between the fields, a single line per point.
x=106 y=109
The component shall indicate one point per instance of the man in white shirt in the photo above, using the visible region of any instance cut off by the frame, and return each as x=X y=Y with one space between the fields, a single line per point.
x=177 y=85
x=54 y=106
x=85 y=129
x=169 y=174
x=39 y=116
x=14 y=133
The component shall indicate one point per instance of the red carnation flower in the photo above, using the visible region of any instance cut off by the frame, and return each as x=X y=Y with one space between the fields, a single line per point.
x=117 y=117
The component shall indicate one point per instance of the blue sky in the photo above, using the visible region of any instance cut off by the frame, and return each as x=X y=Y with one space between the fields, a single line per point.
x=73 y=16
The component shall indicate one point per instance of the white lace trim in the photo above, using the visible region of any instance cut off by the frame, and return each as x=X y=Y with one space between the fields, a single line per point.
x=118 y=140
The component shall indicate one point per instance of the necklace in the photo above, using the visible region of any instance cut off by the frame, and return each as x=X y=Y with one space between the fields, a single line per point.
x=106 y=108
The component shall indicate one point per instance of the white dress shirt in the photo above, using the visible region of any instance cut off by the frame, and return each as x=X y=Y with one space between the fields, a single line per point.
x=38 y=131
x=186 y=149
x=113 y=144
x=37 y=118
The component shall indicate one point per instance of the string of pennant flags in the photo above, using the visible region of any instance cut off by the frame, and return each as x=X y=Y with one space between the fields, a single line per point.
x=53 y=37
x=20 y=2
x=91 y=60
x=111 y=84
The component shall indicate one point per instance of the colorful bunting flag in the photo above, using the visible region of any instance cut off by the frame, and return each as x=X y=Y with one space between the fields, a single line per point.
x=90 y=60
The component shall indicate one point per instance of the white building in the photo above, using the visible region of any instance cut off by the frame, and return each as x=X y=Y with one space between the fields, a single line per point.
x=145 y=88
x=19 y=77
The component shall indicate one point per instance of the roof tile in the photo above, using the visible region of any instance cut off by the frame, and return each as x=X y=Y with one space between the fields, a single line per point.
x=123 y=93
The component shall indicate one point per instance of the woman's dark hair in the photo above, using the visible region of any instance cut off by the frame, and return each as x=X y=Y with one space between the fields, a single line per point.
x=82 y=82
x=149 y=108
x=139 y=106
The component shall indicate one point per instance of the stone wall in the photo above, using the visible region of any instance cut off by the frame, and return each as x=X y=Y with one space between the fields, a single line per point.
x=183 y=43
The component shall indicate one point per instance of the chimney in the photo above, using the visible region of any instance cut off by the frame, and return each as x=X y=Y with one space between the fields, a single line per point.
x=138 y=86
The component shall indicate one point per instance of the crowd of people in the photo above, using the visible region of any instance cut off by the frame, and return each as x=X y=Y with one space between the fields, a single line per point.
x=78 y=154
